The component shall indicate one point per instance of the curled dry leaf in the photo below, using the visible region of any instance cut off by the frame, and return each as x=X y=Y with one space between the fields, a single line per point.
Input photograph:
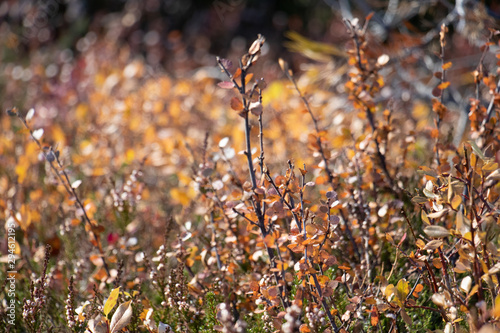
x=466 y=284
x=428 y=190
x=97 y=325
x=257 y=45
x=436 y=231
x=261 y=84
x=433 y=244
x=439 y=299
x=437 y=215
x=121 y=318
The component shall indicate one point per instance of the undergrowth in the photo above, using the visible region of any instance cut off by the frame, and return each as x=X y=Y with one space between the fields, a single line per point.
x=134 y=212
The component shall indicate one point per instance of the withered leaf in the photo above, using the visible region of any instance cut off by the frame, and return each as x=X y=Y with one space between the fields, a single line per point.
x=436 y=231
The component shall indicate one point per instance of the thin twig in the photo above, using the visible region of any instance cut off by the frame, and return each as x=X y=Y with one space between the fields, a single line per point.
x=52 y=157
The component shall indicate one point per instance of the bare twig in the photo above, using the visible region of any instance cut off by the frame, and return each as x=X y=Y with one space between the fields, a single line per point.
x=53 y=159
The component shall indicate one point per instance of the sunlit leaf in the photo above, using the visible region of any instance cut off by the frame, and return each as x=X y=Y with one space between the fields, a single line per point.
x=111 y=301
x=433 y=245
x=374 y=317
x=444 y=85
x=436 y=231
x=447 y=66
x=121 y=317
x=30 y=114
x=76 y=184
x=37 y=134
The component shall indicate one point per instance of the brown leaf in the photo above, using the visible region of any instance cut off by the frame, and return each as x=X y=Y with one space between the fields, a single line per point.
x=436 y=231
x=437 y=263
x=236 y=104
x=257 y=45
x=437 y=215
x=433 y=244
x=121 y=318
x=406 y=318
x=374 y=318
x=256 y=108
x=436 y=92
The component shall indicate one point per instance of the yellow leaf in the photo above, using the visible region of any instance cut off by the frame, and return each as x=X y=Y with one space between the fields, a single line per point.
x=389 y=238
x=490 y=166
x=420 y=243
x=322 y=279
x=456 y=201
x=389 y=290
x=425 y=219
x=473 y=290
x=111 y=302
x=496 y=308
x=402 y=290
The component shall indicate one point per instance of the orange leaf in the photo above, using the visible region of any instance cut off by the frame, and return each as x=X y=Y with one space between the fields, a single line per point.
x=447 y=65
x=269 y=240
x=248 y=77
x=237 y=73
x=304 y=328
x=101 y=274
x=236 y=104
x=374 y=316
x=444 y=85
x=418 y=289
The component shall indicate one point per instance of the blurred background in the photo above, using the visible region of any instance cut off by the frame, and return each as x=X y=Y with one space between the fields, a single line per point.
x=182 y=35
x=178 y=37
